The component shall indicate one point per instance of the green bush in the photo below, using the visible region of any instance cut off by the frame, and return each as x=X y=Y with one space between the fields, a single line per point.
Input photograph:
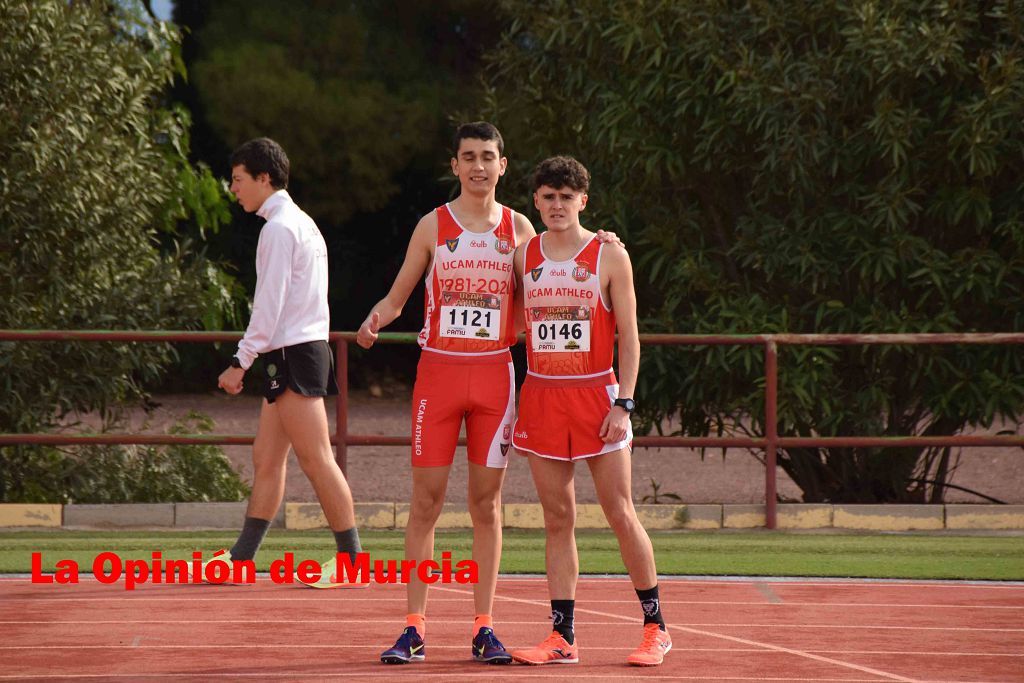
x=123 y=474
x=94 y=184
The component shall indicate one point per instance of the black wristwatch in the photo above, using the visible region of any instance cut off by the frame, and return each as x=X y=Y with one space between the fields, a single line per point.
x=235 y=363
x=627 y=404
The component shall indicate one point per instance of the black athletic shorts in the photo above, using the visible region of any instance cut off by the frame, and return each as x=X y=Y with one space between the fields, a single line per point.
x=306 y=369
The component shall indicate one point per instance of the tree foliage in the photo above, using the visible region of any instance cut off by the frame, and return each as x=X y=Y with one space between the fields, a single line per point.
x=125 y=474
x=352 y=91
x=93 y=177
x=359 y=94
x=800 y=167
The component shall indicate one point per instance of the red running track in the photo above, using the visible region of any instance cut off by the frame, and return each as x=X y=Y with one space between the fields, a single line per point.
x=723 y=630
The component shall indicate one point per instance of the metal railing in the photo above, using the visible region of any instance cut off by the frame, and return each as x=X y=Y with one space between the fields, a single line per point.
x=342 y=439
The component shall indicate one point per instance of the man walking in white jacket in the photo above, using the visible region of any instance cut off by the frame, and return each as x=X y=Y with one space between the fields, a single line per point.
x=289 y=329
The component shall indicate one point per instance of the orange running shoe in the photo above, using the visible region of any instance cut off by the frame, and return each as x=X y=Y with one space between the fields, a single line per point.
x=652 y=650
x=554 y=650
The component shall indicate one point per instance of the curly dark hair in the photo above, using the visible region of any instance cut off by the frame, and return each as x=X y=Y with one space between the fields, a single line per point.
x=559 y=172
x=263 y=155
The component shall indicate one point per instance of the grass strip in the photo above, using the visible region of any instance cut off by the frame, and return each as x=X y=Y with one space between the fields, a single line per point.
x=759 y=553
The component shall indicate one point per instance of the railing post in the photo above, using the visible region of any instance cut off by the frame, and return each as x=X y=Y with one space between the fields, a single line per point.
x=341 y=405
x=771 y=428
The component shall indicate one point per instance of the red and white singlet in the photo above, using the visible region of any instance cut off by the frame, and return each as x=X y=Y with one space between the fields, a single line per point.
x=570 y=337
x=465 y=371
x=570 y=330
x=469 y=288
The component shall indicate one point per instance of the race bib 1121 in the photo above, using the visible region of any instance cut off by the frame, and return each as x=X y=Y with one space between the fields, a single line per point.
x=470 y=315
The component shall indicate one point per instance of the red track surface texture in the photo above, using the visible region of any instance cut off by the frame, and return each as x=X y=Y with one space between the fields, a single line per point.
x=723 y=631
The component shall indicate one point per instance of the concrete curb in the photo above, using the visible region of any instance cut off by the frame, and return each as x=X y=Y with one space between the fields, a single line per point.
x=804 y=516
x=889 y=517
x=368 y=516
x=743 y=516
x=119 y=515
x=388 y=515
x=217 y=515
x=984 y=516
x=20 y=514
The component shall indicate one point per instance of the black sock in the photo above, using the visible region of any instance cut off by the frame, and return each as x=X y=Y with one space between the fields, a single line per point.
x=250 y=539
x=561 y=618
x=651 y=605
x=348 y=542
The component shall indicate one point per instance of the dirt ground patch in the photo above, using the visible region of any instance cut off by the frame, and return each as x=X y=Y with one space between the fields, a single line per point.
x=382 y=473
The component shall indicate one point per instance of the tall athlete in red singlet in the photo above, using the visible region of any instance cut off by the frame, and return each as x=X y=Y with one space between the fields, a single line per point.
x=575 y=293
x=466 y=249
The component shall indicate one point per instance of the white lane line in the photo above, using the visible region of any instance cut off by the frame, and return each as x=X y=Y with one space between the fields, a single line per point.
x=515 y=672
x=742 y=641
x=770 y=595
x=136 y=644
x=631 y=622
x=318 y=598
x=205 y=600
x=675 y=580
x=1015 y=585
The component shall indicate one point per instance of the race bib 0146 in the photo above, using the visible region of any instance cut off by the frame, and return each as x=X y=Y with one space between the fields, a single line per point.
x=560 y=328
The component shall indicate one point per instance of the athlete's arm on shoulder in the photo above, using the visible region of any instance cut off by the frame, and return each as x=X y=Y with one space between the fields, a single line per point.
x=417 y=259
x=617 y=276
x=524 y=229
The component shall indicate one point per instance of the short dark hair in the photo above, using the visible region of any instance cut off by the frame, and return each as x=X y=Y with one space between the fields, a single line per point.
x=478 y=130
x=263 y=155
x=559 y=172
